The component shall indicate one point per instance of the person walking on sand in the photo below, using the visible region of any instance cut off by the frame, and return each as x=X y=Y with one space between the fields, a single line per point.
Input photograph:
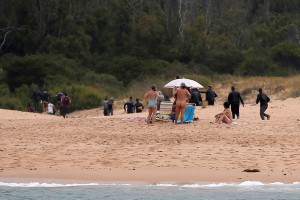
x=110 y=106
x=210 y=96
x=182 y=96
x=129 y=106
x=264 y=100
x=234 y=99
x=225 y=116
x=152 y=98
x=105 y=107
x=65 y=102
x=139 y=107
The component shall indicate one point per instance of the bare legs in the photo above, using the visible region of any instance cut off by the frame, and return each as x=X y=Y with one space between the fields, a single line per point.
x=180 y=109
x=151 y=114
x=222 y=118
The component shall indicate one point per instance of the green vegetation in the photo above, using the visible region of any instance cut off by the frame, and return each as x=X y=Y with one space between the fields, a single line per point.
x=94 y=49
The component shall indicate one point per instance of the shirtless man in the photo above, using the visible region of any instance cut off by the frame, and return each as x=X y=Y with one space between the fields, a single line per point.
x=152 y=97
x=225 y=116
x=182 y=96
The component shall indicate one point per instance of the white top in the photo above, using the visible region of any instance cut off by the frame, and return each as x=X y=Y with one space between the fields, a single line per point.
x=50 y=108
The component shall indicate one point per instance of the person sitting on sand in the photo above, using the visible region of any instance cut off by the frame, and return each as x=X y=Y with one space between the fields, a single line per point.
x=173 y=112
x=152 y=97
x=182 y=96
x=225 y=116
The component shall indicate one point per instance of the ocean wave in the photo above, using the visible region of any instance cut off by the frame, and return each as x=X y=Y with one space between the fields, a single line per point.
x=245 y=184
x=194 y=185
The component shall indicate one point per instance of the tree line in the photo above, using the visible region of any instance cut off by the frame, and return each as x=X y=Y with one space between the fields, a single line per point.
x=99 y=47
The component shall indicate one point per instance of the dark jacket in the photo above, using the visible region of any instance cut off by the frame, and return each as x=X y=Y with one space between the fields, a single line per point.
x=195 y=97
x=263 y=99
x=210 y=95
x=45 y=96
x=139 y=107
x=130 y=106
x=234 y=98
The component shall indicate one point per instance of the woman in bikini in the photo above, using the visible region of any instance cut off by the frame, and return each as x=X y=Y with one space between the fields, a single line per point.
x=152 y=97
x=182 y=96
x=225 y=116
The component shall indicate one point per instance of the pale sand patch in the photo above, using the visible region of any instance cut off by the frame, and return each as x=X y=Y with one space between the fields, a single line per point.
x=88 y=146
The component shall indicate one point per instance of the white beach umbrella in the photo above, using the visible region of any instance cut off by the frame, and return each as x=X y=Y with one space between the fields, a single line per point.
x=188 y=82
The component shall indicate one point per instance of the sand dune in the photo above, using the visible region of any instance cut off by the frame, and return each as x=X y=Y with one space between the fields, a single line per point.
x=89 y=146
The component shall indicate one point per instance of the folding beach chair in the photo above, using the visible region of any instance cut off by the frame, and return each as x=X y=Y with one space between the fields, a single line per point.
x=189 y=113
x=165 y=110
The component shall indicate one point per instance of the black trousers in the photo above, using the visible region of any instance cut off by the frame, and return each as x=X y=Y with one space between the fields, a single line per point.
x=262 y=112
x=211 y=102
x=235 y=109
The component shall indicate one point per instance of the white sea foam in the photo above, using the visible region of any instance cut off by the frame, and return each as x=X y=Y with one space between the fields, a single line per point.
x=37 y=184
x=164 y=185
x=203 y=185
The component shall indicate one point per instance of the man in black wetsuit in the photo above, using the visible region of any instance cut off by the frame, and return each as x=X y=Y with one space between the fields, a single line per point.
x=210 y=96
x=139 y=107
x=264 y=100
x=129 y=105
x=195 y=97
x=234 y=99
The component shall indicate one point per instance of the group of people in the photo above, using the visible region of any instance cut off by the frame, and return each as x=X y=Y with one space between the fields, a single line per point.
x=44 y=99
x=108 y=106
x=182 y=95
x=133 y=107
x=234 y=100
x=197 y=99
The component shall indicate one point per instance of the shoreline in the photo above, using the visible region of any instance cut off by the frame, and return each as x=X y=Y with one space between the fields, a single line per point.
x=121 y=148
x=148 y=176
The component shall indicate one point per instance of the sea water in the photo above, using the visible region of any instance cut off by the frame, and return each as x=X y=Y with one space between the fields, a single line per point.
x=249 y=190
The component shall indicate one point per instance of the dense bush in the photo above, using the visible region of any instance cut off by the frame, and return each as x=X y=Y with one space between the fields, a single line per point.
x=287 y=54
x=106 y=46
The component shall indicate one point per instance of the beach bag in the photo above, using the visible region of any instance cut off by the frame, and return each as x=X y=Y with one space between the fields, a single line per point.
x=265 y=97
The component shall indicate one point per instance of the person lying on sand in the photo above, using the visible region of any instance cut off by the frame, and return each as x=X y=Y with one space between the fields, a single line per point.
x=225 y=116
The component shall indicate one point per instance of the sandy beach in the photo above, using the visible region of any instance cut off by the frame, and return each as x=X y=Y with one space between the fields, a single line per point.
x=122 y=148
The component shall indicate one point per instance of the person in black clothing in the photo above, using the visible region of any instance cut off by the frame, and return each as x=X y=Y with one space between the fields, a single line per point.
x=105 y=107
x=36 y=97
x=110 y=106
x=210 y=96
x=129 y=105
x=195 y=97
x=234 y=99
x=45 y=98
x=264 y=100
x=139 y=107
